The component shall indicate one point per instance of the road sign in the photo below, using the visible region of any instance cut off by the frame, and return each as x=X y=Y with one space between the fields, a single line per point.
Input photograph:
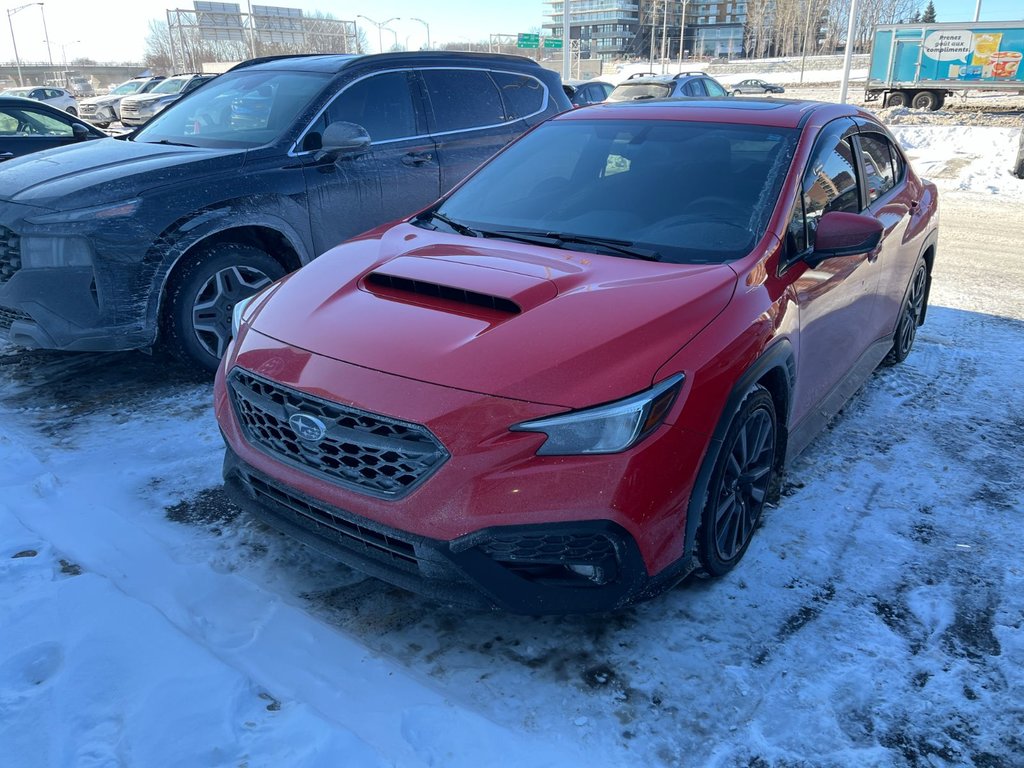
x=552 y=42
x=528 y=41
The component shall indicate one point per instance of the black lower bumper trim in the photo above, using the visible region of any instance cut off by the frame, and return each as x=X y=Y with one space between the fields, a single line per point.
x=557 y=568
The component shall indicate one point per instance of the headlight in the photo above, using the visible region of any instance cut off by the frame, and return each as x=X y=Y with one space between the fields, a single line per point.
x=238 y=312
x=108 y=211
x=44 y=252
x=607 y=428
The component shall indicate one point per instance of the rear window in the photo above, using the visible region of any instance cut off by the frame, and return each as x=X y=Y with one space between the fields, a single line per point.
x=462 y=98
x=523 y=95
x=634 y=91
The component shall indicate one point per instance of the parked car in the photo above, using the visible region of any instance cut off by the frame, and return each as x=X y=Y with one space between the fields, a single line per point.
x=104 y=110
x=140 y=109
x=756 y=86
x=683 y=84
x=29 y=126
x=127 y=242
x=584 y=92
x=587 y=365
x=55 y=97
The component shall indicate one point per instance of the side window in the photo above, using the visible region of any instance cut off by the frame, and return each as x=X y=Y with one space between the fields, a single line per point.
x=830 y=184
x=382 y=104
x=38 y=93
x=523 y=95
x=694 y=88
x=8 y=123
x=875 y=154
x=899 y=165
x=462 y=98
x=714 y=89
x=798 y=228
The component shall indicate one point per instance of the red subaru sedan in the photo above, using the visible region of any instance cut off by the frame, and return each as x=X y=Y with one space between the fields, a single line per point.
x=577 y=377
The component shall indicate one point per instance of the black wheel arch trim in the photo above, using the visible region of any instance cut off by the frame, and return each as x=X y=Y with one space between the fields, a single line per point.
x=192 y=231
x=780 y=356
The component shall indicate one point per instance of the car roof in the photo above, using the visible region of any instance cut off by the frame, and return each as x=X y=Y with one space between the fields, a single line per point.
x=778 y=113
x=333 y=63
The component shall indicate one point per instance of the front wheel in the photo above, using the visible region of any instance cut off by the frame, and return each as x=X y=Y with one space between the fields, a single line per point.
x=201 y=297
x=740 y=483
x=911 y=314
x=896 y=99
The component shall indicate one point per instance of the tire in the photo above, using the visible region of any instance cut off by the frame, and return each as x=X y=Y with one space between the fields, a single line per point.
x=896 y=99
x=911 y=316
x=741 y=481
x=196 y=319
x=925 y=100
x=72 y=111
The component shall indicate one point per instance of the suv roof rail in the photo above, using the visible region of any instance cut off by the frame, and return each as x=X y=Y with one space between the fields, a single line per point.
x=278 y=57
x=678 y=75
x=637 y=75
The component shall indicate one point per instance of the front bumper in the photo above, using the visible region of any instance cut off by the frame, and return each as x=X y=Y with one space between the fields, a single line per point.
x=521 y=569
x=80 y=308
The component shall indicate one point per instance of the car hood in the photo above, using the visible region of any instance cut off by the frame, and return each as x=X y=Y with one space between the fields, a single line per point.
x=105 y=170
x=101 y=101
x=539 y=324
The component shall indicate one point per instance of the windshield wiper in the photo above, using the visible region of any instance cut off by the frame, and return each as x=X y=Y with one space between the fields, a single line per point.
x=460 y=229
x=560 y=239
x=169 y=143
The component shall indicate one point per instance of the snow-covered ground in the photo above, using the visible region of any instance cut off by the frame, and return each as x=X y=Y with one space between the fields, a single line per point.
x=877 y=620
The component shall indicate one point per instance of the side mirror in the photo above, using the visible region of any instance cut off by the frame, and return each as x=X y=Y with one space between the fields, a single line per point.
x=343 y=139
x=845 y=234
x=80 y=132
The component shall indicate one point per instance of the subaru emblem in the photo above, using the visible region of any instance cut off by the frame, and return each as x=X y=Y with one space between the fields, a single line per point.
x=308 y=427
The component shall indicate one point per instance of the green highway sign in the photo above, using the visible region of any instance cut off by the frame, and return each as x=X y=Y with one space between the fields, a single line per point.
x=528 y=41
x=552 y=42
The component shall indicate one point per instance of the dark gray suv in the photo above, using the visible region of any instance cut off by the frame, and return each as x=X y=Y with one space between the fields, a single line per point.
x=121 y=243
x=683 y=84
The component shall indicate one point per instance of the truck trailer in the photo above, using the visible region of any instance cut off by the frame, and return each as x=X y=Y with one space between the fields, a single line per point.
x=919 y=65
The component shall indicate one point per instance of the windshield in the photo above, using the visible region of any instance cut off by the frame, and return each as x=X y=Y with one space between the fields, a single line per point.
x=633 y=91
x=684 y=192
x=171 y=85
x=16 y=91
x=242 y=109
x=125 y=88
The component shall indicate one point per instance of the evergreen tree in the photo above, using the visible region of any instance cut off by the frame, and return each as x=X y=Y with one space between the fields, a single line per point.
x=928 y=17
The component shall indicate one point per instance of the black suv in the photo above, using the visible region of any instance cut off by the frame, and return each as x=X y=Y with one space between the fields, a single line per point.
x=116 y=243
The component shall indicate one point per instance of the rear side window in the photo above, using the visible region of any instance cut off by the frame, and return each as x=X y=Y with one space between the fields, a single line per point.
x=523 y=95
x=879 y=175
x=462 y=98
x=694 y=88
x=714 y=89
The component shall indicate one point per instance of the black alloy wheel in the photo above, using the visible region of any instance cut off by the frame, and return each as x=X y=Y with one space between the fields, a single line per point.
x=910 y=318
x=740 y=484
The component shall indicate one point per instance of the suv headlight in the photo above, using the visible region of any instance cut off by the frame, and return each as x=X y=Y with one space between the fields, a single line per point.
x=610 y=428
x=239 y=312
x=118 y=210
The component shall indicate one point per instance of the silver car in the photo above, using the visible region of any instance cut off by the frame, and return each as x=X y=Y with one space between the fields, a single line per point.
x=101 y=111
x=55 y=97
x=138 y=110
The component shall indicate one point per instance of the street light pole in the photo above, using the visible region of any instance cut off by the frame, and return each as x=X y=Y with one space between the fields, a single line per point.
x=17 y=59
x=380 y=25
x=421 y=21
x=64 y=51
x=49 y=53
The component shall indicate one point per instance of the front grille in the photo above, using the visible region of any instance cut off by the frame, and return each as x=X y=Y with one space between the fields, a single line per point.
x=87 y=109
x=129 y=108
x=330 y=524
x=10 y=254
x=8 y=316
x=370 y=453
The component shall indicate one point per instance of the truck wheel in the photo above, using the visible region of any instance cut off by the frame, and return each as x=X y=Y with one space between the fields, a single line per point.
x=925 y=100
x=896 y=99
x=197 y=315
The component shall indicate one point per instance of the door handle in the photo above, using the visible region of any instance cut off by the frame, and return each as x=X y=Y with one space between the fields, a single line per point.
x=417 y=158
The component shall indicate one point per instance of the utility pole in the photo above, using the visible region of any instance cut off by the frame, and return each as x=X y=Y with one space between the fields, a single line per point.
x=421 y=21
x=977 y=10
x=682 y=34
x=380 y=26
x=849 y=51
x=566 y=42
x=49 y=53
x=17 y=58
x=664 y=32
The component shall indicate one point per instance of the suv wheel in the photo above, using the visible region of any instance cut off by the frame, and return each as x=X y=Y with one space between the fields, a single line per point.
x=740 y=483
x=200 y=298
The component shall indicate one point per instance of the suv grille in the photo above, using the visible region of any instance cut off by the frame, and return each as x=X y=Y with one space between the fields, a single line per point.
x=10 y=254
x=373 y=454
x=129 y=108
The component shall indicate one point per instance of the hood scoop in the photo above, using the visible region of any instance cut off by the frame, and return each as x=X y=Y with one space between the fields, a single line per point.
x=458 y=287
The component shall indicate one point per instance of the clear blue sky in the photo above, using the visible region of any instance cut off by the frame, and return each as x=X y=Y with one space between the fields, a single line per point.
x=107 y=31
